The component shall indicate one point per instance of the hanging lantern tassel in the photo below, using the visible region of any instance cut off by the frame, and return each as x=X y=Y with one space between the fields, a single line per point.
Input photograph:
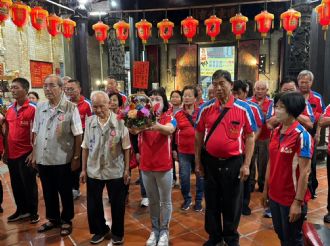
x=101 y=61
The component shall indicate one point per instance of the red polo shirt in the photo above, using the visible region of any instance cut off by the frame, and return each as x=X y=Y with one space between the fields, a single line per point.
x=266 y=108
x=185 y=134
x=327 y=114
x=284 y=170
x=156 y=148
x=20 y=125
x=85 y=109
x=227 y=139
x=317 y=104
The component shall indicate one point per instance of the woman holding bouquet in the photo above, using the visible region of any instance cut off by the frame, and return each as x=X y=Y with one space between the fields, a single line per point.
x=156 y=168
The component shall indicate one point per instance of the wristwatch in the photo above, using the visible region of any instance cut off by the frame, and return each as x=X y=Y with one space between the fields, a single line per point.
x=76 y=157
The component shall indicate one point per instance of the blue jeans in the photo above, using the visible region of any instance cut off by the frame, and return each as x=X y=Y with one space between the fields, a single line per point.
x=185 y=163
x=290 y=234
x=158 y=186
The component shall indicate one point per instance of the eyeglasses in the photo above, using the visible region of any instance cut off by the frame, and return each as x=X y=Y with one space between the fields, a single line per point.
x=69 y=89
x=49 y=86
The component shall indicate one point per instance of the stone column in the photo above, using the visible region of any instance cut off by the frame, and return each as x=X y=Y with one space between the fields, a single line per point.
x=297 y=55
x=80 y=51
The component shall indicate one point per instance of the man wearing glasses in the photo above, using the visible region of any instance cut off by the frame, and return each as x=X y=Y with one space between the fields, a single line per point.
x=57 y=130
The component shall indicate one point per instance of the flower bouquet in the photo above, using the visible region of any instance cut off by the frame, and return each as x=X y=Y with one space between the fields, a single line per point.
x=138 y=113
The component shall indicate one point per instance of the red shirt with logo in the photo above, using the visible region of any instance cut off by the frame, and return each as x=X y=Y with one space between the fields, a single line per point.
x=266 y=108
x=327 y=114
x=317 y=104
x=185 y=135
x=20 y=124
x=284 y=150
x=85 y=109
x=156 y=148
x=227 y=139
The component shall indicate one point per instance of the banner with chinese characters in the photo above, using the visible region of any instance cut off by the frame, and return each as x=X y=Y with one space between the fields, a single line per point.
x=39 y=71
x=140 y=74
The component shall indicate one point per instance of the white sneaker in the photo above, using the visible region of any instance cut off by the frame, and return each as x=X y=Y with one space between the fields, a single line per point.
x=75 y=194
x=152 y=240
x=163 y=240
x=144 y=202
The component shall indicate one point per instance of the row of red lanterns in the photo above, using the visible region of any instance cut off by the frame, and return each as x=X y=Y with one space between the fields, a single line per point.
x=290 y=20
x=40 y=18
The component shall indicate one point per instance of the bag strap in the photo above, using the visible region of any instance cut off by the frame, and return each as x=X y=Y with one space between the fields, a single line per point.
x=216 y=123
x=189 y=117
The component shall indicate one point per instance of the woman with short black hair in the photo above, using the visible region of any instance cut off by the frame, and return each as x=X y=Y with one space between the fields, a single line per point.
x=290 y=153
x=156 y=168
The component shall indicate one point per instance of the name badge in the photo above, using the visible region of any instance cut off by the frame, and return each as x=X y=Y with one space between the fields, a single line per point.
x=60 y=117
x=24 y=123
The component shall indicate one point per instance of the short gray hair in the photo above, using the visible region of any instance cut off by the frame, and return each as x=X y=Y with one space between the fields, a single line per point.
x=95 y=93
x=58 y=78
x=261 y=82
x=66 y=78
x=304 y=73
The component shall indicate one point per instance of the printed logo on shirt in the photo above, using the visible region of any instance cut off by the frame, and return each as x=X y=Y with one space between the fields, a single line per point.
x=24 y=123
x=286 y=150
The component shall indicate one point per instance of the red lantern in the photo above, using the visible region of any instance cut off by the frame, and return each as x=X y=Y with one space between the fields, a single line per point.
x=165 y=29
x=4 y=10
x=122 y=31
x=54 y=25
x=144 y=30
x=326 y=10
x=68 y=26
x=213 y=26
x=39 y=18
x=238 y=25
x=20 y=14
x=322 y=11
x=101 y=31
x=290 y=21
x=189 y=27
x=264 y=22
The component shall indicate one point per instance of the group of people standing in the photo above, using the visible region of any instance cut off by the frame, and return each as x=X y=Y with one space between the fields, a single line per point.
x=236 y=139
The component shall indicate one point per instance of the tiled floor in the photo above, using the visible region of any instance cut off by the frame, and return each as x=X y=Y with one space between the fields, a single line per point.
x=186 y=228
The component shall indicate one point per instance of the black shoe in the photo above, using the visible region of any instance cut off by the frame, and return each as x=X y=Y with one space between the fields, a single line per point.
x=34 y=219
x=186 y=205
x=211 y=243
x=261 y=188
x=117 y=240
x=327 y=218
x=246 y=211
x=97 y=238
x=17 y=216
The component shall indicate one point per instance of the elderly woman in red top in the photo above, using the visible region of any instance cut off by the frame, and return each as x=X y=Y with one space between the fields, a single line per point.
x=156 y=169
x=290 y=153
x=186 y=118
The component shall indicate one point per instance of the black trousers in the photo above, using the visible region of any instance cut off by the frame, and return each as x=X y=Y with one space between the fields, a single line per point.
x=24 y=185
x=328 y=175
x=95 y=212
x=223 y=197
x=313 y=183
x=56 y=180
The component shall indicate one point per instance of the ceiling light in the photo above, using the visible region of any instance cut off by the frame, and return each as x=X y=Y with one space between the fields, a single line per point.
x=113 y=4
x=97 y=13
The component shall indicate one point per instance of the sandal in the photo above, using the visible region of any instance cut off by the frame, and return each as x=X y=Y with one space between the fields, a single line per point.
x=66 y=229
x=46 y=227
